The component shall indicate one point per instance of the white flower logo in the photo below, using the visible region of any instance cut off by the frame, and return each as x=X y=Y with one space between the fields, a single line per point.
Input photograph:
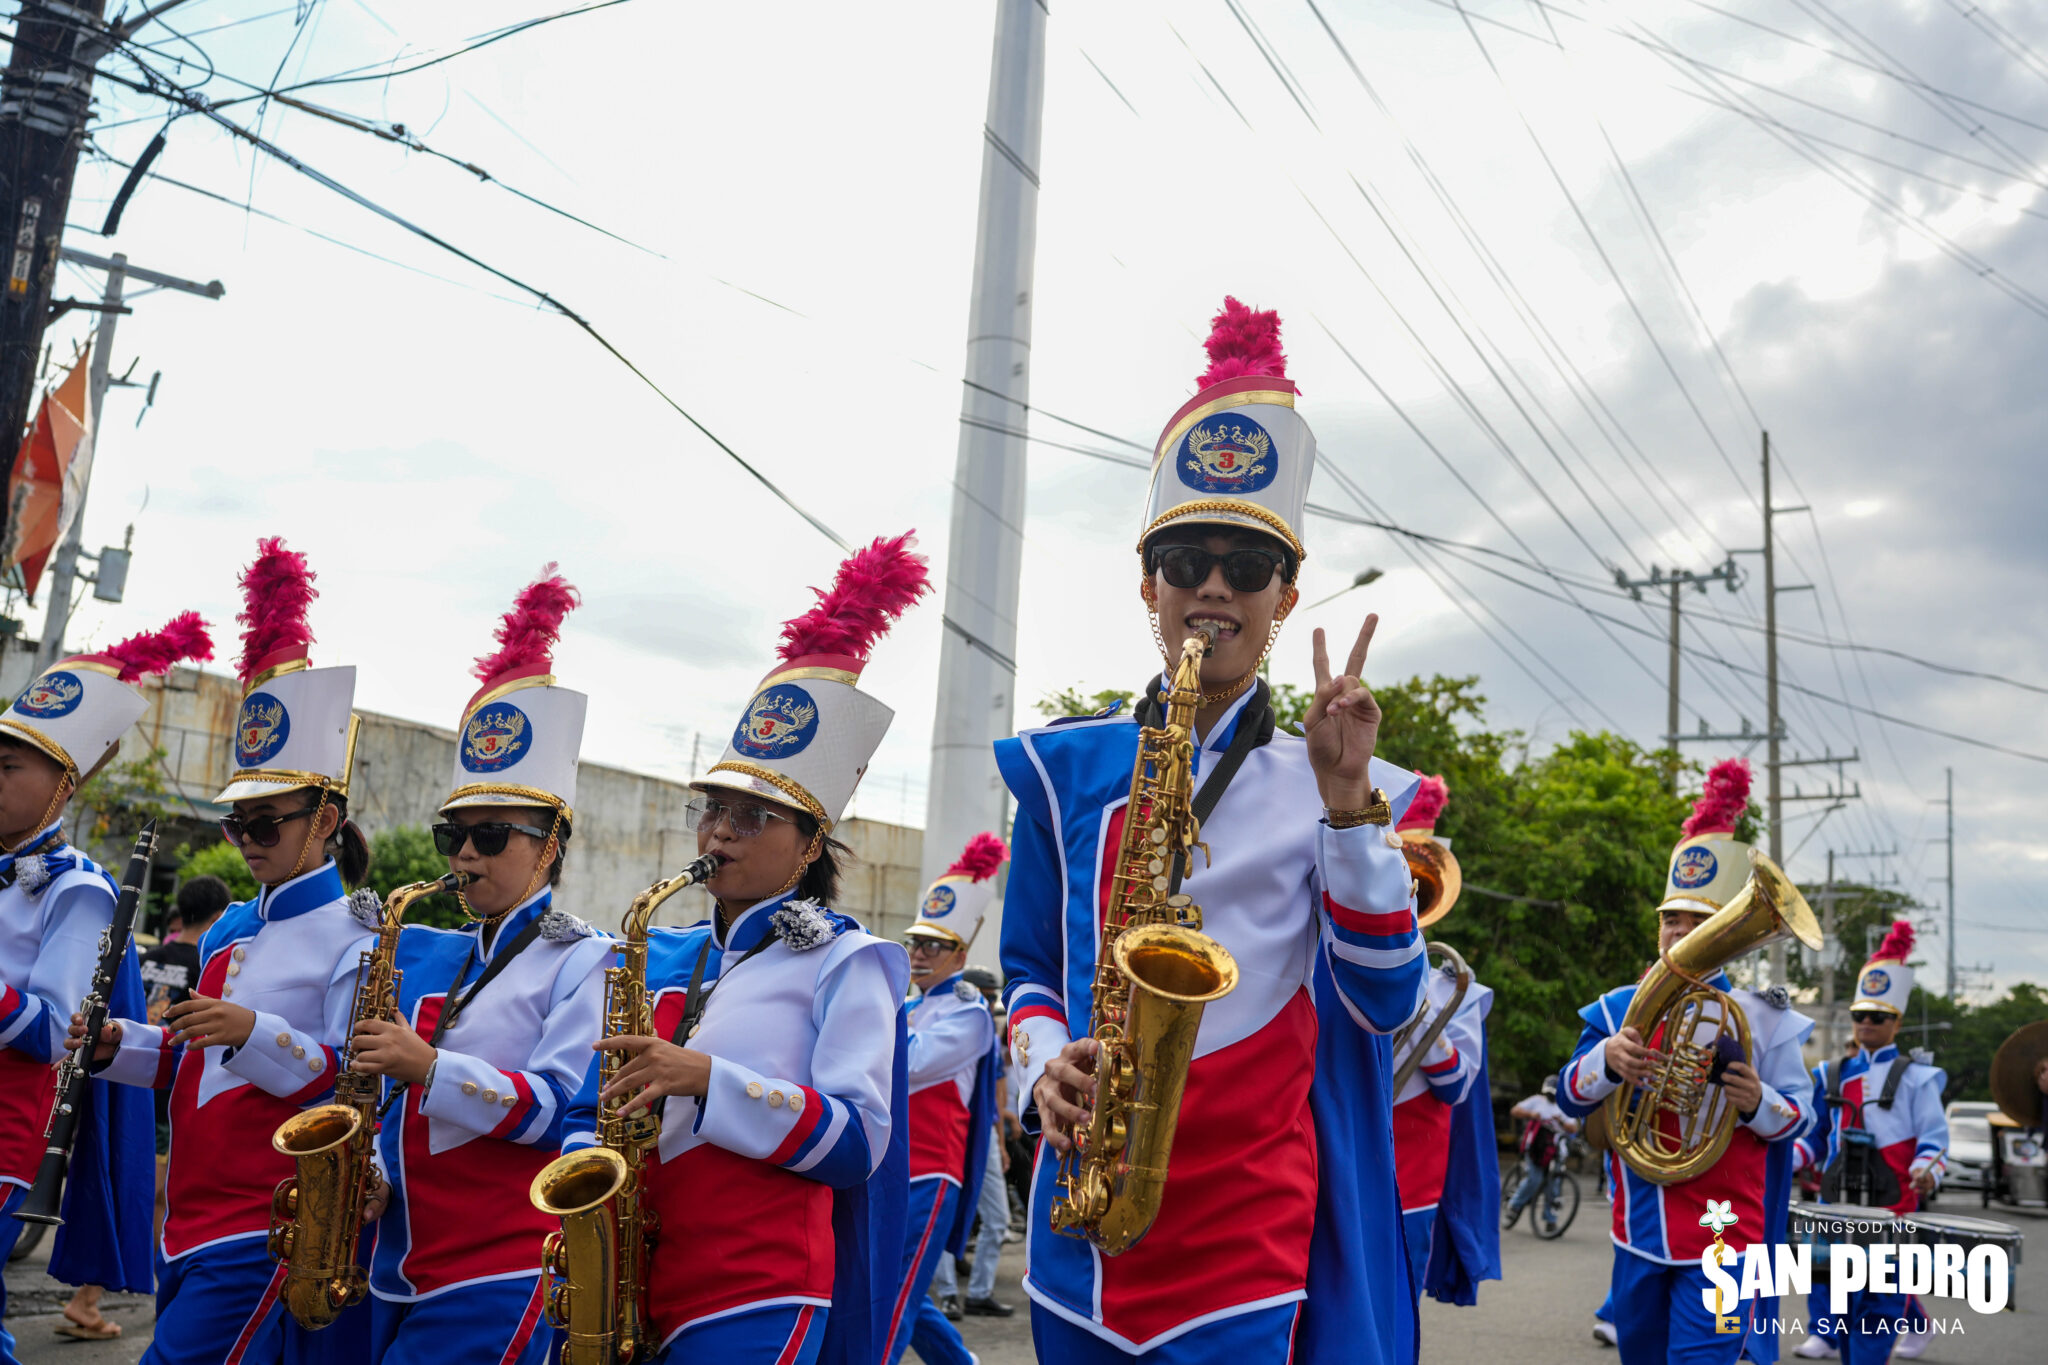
x=1718 y=1218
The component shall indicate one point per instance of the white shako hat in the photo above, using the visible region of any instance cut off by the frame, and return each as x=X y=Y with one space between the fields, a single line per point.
x=78 y=710
x=1237 y=454
x=296 y=726
x=955 y=905
x=520 y=735
x=807 y=736
x=1886 y=982
x=1710 y=864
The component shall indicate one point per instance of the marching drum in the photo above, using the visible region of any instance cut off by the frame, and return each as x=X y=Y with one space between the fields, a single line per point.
x=1822 y=1226
x=1935 y=1229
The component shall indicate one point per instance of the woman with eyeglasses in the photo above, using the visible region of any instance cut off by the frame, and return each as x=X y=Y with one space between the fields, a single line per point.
x=496 y=1021
x=260 y=1036
x=776 y=1069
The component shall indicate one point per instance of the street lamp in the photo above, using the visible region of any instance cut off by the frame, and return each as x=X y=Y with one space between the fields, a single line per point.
x=1364 y=577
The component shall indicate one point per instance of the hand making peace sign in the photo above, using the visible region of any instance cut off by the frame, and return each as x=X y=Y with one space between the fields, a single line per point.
x=1343 y=725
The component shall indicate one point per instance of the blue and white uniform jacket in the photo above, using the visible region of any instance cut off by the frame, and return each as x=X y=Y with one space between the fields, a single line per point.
x=291 y=956
x=1321 y=923
x=1911 y=1136
x=494 y=1112
x=793 y=1164
x=952 y=1066
x=1661 y=1222
x=1422 y=1111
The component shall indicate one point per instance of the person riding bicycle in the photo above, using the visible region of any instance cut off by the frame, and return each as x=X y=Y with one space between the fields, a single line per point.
x=1545 y=1124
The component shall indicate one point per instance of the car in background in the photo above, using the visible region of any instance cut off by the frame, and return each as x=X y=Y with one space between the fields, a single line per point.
x=1969 y=1144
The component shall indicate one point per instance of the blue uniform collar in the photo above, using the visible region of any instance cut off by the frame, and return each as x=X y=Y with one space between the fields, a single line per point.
x=1883 y=1054
x=752 y=925
x=307 y=891
x=939 y=988
x=515 y=920
x=49 y=841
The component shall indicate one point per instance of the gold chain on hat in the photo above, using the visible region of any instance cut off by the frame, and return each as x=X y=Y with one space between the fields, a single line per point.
x=540 y=870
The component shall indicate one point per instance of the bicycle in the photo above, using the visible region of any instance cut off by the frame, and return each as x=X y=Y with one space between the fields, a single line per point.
x=1557 y=1203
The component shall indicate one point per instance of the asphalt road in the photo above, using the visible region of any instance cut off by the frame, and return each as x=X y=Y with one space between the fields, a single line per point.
x=1541 y=1313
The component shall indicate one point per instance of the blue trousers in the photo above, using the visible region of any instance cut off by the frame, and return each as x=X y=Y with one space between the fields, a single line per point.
x=1856 y=1334
x=1264 y=1335
x=1416 y=1229
x=220 y=1306
x=994 y=1208
x=791 y=1335
x=916 y=1320
x=1660 y=1318
x=10 y=1233
x=497 y=1323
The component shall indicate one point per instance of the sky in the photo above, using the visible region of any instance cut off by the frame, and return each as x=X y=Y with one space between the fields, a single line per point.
x=1546 y=271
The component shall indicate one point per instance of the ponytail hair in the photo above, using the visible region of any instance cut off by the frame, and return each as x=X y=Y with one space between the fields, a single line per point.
x=348 y=847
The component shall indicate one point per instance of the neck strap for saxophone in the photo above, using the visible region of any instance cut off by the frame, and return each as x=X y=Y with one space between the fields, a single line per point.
x=1255 y=726
x=700 y=994
x=497 y=964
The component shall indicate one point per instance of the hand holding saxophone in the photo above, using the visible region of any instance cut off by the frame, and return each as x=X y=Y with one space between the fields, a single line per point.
x=202 y=1021
x=1066 y=1091
x=386 y=1047
x=656 y=1068
x=1343 y=725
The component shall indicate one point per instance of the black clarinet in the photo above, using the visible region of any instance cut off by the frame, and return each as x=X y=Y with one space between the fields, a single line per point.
x=74 y=1073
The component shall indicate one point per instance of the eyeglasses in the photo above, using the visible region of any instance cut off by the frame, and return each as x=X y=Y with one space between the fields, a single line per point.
x=921 y=944
x=488 y=837
x=1869 y=1016
x=1188 y=566
x=746 y=820
x=261 y=830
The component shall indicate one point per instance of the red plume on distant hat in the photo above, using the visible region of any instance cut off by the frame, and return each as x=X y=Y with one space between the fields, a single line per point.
x=1430 y=799
x=874 y=585
x=527 y=634
x=277 y=590
x=984 y=854
x=154 y=651
x=1722 y=800
x=1898 y=942
x=1243 y=341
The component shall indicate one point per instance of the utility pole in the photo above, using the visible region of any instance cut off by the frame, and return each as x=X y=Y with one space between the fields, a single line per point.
x=1830 y=956
x=1949 y=800
x=1773 y=728
x=985 y=550
x=1725 y=572
x=64 y=564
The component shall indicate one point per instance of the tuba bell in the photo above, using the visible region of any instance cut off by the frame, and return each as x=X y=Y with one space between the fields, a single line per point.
x=1437 y=879
x=1674 y=1126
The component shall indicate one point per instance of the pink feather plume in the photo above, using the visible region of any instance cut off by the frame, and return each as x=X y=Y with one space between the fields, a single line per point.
x=154 y=651
x=528 y=632
x=1722 y=800
x=874 y=586
x=980 y=859
x=1242 y=341
x=1897 y=943
x=277 y=590
x=1430 y=799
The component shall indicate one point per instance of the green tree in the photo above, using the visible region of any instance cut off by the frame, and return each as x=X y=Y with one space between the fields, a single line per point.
x=405 y=854
x=219 y=860
x=1071 y=701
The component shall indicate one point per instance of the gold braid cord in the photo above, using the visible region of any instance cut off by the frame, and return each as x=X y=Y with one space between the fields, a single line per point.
x=1242 y=509
x=789 y=786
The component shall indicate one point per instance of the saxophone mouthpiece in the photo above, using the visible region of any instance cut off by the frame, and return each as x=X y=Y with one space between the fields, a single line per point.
x=704 y=869
x=455 y=881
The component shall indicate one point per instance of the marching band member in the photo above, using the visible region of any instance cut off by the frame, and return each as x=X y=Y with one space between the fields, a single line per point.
x=781 y=1038
x=951 y=1073
x=1881 y=1142
x=498 y=1018
x=55 y=903
x=259 y=1039
x=1659 y=1313
x=1277 y=1231
x=1445 y=1158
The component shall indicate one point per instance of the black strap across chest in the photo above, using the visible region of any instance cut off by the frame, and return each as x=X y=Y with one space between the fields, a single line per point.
x=1894 y=1078
x=1255 y=726
x=455 y=1005
x=700 y=995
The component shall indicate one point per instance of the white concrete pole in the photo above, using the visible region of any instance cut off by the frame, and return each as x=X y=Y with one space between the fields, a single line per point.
x=977 y=661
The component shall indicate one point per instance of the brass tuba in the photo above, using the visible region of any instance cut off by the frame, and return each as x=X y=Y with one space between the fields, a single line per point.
x=316 y=1216
x=1462 y=982
x=596 y=1266
x=1686 y=1017
x=1437 y=878
x=1155 y=970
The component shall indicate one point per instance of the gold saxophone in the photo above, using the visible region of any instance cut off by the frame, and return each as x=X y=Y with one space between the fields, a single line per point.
x=596 y=1266
x=1693 y=1016
x=316 y=1216
x=1154 y=972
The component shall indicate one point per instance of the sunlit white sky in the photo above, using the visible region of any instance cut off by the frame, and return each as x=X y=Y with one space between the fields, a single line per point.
x=807 y=174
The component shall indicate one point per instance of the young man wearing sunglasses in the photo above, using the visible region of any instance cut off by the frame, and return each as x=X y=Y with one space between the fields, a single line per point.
x=1881 y=1143
x=495 y=1024
x=952 y=1065
x=55 y=905
x=1279 y=1232
x=1659 y=1235
x=260 y=1037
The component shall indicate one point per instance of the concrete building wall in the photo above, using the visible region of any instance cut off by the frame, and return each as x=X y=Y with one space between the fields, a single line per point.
x=629 y=829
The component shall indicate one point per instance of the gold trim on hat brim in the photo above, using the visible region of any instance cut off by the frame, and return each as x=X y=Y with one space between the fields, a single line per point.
x=271 y=781
x=838 y=675
x=1696 y=905
x=505 y=689
x=506 y=794
x=792 y=789
x=1868 y=1004
x=276 y=671
x=1272 y=398
x=923 y=930
x=50 y=747
x=1231 y=505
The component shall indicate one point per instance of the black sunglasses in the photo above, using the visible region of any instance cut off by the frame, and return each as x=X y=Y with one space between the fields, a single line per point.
x=261 y=830
x=488 y=837
x=1869 y=1016
x=1188 y=566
